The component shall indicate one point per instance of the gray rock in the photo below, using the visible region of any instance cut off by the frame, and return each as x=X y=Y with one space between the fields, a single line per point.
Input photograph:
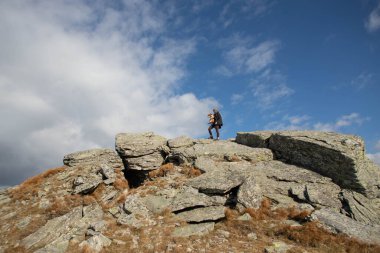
x=277 y=247
x=94 y=156
x=96 y=242
x=286 y=185
x=193 y=229
x=228 y=175
x=252 y=236
x=360 y=208
x=190 y=197
x=144 y=151
x=107 y=171
x=57 y=232
x=340 y=223
x=245 y=217
x=250 y=193
x=218 y=150
x=340 y=157
x=86 y=184
x=24 y=222
x=98 y=226
x=135 y=220
x=156 y=204
x=211 y=213
x=257 y=139
x=179 y=142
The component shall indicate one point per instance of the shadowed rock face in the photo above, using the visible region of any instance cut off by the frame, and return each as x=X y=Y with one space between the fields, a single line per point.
x=340 y=157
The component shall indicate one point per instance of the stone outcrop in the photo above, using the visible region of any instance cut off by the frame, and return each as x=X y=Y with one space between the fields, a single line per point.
x=94 y=156
x=340 y=157
x=55 y=235
x=325 y=174
x=219 y=150
x=144 y=151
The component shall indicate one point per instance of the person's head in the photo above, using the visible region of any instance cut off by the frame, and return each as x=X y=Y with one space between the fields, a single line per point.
x=215 y=110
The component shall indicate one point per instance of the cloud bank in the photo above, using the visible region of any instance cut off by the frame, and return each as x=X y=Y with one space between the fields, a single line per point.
x=73 y=75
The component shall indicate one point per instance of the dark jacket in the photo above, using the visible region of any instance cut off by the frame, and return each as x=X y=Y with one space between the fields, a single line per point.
x=218 y=119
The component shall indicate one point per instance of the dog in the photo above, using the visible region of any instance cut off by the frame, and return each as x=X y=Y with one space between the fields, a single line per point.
x=211 y=118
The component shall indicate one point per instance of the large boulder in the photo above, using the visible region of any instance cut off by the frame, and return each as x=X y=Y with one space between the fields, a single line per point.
x=94 y=156
x=141 y=151
x=338 y=156
x=287 y=185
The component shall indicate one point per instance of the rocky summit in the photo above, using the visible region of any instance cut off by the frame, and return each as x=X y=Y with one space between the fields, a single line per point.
x=264 y=191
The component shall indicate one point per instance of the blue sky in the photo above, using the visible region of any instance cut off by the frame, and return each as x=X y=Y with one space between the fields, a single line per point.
x=75 y=73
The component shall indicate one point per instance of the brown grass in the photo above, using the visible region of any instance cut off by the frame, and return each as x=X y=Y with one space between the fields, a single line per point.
x=29 y=188
x=63 y=205
x=312 y=235
x=162 y=171
x=120 y=183
x=191 y=172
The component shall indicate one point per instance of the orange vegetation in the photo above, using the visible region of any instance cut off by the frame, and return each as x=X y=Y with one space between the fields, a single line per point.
x=162 y=171
x=30 y=187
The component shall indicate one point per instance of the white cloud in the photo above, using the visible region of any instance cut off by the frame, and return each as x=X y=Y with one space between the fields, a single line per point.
x=304 y=122
x=362 y=80
x=377 y=145
x=236 y=98
x=343 y=121
x=372 y=23
x=269 y=87
x=243 y=58
x=375 y=157
x=295 y=122
x=73 y=75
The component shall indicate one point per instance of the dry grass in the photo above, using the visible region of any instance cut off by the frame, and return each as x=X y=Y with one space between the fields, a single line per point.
x=120 y=183
x=191 y=172
x=312 y=235
x=29 y=188
x=63 y=205
x=162 y=171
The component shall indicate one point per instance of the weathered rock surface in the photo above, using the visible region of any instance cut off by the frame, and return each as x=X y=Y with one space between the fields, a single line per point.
x=360 y=208
x=219 y=150
x=96 y=242
x=340 y=157
x=193 y=229
x=211 y=213
x=144 y=151
x=56 y=233
x=180 y=142
x=342 y=224
x=94 y=156
x=228 y=176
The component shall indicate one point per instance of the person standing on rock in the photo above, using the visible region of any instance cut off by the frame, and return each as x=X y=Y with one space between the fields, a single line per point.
x=217 y=124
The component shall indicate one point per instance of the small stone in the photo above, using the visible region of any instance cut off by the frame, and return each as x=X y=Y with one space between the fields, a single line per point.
x=245 y=217
x=252 y=236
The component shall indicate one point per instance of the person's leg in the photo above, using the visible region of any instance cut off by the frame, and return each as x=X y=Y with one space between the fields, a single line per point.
x=217 y=131
x=209 y=131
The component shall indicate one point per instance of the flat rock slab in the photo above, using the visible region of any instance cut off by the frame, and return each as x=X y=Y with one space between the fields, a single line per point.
x=94 y=156
x=190 y=197
x=180 y=142
x=219 y=150
x=337 y=156
x=342 y=224
x=227 y=176
x=57 y=232
x=194 y=229
x=211 y=213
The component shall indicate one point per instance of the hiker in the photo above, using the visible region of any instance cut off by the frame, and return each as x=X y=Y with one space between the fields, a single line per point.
x=216 y=123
